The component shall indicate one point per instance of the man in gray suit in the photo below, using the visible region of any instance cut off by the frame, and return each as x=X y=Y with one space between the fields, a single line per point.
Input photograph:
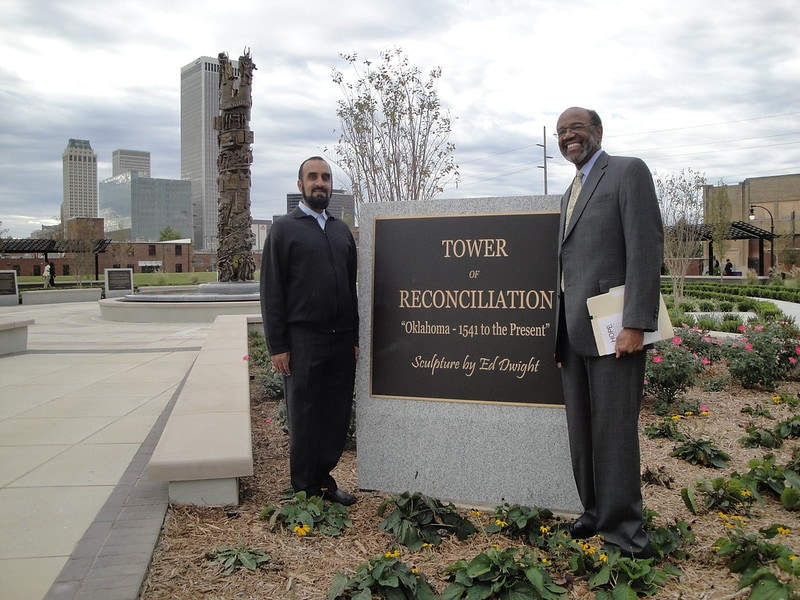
x=611 y=235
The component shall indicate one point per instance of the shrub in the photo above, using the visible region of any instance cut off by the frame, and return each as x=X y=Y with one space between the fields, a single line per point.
x=763 y=355
x=671 y=369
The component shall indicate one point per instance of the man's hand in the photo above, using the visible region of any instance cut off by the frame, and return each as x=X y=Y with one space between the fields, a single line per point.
x=280 y=362
x=629 y=341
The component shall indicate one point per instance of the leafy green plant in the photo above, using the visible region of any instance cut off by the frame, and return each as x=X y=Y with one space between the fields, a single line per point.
x=732 y=494
x=385 y=576
x=240 y=556
x=763 y=355
x=701 y=452
x=788 y=429
x=782 y=481
x=789 y=399
x=667 y=428
x=418 y=519
x=757 y=436
x=500 y=574
x=304 y=514
x=671 y=369
x=522 y=521
x=749 y=554
x=620 y=577
x=670 y=539
x=758 y=411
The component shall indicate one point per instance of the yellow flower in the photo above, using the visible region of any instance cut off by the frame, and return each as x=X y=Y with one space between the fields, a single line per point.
x=302 y=530
x=544 y=529
x=545 y=561
x=676 y=417
x=704 y=413
x=689 y=413
x=426 y=545
x=475 y=512
x=777 y=399
x=603 y=557
x=414 y=570
x=391 y=554
x=792 y=557
x=496 y=546
x=784 y=530
x=500 y=523
x=746 y=493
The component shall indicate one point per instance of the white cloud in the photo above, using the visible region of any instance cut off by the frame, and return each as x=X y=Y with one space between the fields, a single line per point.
x=680 y=83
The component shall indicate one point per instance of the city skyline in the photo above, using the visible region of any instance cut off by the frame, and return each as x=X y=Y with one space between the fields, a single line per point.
x=680 y=84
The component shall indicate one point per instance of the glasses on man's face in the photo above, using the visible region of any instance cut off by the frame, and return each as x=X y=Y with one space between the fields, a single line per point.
x=575 y=127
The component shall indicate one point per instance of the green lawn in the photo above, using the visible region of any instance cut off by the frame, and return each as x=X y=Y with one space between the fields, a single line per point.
x=144 y=279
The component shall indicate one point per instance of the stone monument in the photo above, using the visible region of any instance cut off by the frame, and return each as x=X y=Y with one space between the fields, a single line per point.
x=234 y=253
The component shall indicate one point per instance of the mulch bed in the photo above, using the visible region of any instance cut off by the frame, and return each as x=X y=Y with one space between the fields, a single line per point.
x=303 y=567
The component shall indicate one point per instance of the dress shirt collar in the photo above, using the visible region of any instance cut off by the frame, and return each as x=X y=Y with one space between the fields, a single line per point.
x=320 y=217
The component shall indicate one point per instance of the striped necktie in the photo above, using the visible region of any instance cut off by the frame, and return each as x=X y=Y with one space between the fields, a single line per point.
x=573 y=197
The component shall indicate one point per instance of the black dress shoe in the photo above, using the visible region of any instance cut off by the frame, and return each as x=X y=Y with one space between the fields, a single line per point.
x=580 y=531
x=339 y=496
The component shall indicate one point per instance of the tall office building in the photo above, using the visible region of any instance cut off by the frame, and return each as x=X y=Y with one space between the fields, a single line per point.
x=125 y=161
x=199 y=149
x=341 y=206
x=80 y=181
x=146 y=206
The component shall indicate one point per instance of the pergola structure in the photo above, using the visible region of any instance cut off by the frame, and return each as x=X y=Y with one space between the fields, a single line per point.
x=739 y=230
x=49 y=246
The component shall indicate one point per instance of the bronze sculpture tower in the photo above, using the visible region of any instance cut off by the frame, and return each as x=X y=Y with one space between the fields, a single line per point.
x=235 y=250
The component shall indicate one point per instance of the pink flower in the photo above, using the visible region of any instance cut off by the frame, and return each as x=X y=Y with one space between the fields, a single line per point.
x=797 y=349
x=704 y=408
x=748 y=347
x=676 y=340
x=705 y=361
x=793 y=360
x=758 y=328
x=742 y=328
x=267 y=421
x=246 y=357
x=657 y=359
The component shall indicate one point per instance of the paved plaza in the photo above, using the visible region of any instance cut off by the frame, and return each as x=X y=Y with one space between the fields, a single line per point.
x=80 y=414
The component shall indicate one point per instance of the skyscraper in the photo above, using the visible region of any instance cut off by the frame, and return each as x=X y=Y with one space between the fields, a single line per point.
x=80 y=181
x=125 y=161
x=199 y=150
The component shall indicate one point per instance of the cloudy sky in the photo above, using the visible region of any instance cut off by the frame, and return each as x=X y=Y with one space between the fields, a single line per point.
x=711 y=86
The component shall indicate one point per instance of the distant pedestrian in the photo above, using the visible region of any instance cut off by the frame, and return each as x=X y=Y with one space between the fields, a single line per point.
x=728 y=267
x=46 y=275
x=52 y=274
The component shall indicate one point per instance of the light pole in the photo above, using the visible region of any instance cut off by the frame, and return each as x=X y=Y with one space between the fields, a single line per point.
x=543 y=145
x=771 y=232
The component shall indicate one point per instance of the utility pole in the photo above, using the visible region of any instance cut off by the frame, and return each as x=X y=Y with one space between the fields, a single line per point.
x=543 y=145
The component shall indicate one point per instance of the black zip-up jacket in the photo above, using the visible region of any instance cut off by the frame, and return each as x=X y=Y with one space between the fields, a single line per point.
x=308 y=279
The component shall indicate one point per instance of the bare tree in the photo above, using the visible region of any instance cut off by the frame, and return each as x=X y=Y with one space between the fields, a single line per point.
x=681 y=201
x=394 y=144
x=718 y=216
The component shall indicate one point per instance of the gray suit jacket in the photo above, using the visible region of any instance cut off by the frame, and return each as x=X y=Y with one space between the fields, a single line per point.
x=615 y=237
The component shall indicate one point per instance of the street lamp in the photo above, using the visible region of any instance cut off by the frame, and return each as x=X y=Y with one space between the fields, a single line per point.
x=771 y=232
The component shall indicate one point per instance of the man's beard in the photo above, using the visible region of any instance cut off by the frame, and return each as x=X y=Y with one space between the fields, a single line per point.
x=318 y=201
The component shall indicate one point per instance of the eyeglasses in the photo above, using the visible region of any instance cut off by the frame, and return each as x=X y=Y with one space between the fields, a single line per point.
x=575 y=127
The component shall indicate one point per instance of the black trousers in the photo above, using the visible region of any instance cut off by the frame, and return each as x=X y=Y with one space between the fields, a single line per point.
x=603 y=396
x=319 y=400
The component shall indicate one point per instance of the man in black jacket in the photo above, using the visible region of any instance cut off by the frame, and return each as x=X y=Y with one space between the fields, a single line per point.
x=310 y=312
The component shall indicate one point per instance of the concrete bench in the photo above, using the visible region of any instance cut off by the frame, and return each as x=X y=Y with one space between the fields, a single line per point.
x=56 y=296
x=14 y=335
x=207 y=444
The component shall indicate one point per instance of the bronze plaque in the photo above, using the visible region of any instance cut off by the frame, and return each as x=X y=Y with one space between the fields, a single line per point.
x=119 y=279
x=464 y=307
x=8 y=283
